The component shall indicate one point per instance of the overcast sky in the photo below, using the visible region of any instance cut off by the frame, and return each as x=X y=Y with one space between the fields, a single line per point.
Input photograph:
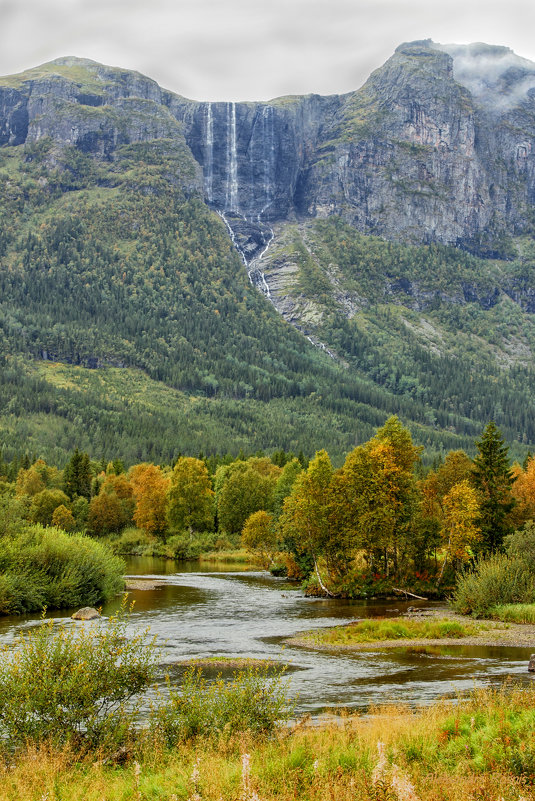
x=251 y=49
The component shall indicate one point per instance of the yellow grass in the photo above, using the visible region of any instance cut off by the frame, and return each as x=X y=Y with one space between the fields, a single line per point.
x=340 y=762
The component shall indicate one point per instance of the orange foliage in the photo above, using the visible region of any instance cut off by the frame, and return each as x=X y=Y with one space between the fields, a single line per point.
x=150 y=488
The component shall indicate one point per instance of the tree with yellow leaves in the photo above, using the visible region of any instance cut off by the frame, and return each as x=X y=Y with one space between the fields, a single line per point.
x=305 y=519
x=190 y=501
x=150 y=488
x=460 y=528
x=259 y=536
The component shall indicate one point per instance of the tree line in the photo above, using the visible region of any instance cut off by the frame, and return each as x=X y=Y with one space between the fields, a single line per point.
x=379 y=521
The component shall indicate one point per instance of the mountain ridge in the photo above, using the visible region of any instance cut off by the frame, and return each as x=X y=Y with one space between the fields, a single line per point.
x=112 y=256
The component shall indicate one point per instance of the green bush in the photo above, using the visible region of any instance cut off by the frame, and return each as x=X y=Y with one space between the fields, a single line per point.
x=47 y=567
x=501 y=579
x=74 y=684
x=252 y=701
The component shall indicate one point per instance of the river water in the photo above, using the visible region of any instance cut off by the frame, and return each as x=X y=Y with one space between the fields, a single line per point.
x=211 y=611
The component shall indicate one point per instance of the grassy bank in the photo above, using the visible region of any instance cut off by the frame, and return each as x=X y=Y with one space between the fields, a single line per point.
x=514 y=613
x=387 y=629
x=481 y=748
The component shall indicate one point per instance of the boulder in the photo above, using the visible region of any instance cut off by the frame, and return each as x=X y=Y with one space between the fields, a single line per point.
x=87 y=613
x=531 y=665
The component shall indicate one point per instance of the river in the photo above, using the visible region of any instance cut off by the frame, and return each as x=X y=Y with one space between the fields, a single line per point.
x=207 y=611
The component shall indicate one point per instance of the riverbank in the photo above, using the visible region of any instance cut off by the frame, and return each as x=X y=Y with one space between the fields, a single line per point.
x=481 y=632
x=480 y=748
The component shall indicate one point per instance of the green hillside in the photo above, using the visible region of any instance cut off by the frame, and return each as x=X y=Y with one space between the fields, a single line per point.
x=453 y=333
x=116 y=265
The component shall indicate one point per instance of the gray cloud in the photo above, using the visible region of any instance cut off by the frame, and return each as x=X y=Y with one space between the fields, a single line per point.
x=250 y=49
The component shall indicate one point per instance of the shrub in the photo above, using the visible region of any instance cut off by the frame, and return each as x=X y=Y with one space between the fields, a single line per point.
x=74 y=684
x=252 y=701
x=47 y=567
x=495 y=581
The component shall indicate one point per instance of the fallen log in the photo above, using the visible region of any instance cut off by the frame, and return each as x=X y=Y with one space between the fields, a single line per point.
x=412 y=594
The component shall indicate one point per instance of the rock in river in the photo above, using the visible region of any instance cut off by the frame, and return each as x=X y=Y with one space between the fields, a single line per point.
x=87 y=613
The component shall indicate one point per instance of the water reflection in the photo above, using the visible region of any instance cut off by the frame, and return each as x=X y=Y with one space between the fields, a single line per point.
x=205 y=612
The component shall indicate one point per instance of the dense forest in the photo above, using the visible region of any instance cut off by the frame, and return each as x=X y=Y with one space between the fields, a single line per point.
x=126 y=313
x=380 y=523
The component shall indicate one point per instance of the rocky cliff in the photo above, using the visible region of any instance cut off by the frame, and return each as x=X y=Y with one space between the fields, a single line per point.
x=437 y=146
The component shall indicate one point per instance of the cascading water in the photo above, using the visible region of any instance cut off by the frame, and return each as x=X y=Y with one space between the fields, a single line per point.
x=209 y=154
x=232 y=160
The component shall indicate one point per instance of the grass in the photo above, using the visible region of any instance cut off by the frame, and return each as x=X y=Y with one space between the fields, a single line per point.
x=482 y=748
x=513 y=613
x=384 y=629
x=240 y=556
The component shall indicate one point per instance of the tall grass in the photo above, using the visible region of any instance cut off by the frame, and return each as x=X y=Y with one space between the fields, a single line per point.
x=513 y=613
x=480 y=749
x=45 y=567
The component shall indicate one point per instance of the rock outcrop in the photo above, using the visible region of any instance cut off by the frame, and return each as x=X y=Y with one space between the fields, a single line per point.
x=437 y=146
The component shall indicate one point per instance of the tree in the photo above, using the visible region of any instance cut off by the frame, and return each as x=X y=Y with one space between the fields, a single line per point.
x=523 y=491
x=259 y=535
x=190 y=502
x=461 y=532
x=150 y=488
x=366 y=502
x=375 y=496
x=106 y=514
x=77 y=475
x=37 y=477
x=493 y=479
x=63 y=518
x=305 y=520
x=44 y=504
x=243 y=488
x=284 y=484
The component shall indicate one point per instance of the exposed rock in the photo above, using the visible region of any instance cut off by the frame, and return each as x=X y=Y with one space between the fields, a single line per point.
x=531 y=665
x=87 y=613
x=431 y=148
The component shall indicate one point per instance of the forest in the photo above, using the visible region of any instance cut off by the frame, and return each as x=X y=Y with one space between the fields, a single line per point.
x=126 y=313
x=380 y=524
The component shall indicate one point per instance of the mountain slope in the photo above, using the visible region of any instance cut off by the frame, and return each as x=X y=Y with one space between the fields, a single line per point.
x=112 y=257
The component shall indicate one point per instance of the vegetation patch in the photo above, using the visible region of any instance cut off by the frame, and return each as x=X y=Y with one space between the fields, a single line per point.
x=46 y=567
x=387 y=629
x=514 y=613
x=234 y=662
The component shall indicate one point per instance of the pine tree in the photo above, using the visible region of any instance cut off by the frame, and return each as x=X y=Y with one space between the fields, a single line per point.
x=493 y=479
x=77 y=475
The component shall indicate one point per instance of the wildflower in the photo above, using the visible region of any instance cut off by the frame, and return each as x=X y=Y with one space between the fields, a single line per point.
x=380 y=768
x=195 y=778
x=315 y=765
x=245 y=768
x=401 y=785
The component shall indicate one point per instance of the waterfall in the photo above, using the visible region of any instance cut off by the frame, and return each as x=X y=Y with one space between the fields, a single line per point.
x=209 y=154
x=268 y=155
x=232 y=160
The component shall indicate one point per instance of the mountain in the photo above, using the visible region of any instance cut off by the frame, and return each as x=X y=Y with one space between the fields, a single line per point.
x=391 y=226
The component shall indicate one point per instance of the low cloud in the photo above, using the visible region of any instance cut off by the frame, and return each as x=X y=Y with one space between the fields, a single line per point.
x=496 y=76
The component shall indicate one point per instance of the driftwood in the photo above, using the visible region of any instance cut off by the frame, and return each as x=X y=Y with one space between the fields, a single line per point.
x=412 y=594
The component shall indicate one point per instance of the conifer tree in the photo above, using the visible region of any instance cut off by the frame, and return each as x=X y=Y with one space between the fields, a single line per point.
x=493 y=479
x=77 y=475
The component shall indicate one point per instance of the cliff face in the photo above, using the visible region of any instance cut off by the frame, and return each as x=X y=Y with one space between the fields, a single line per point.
x=438 y=145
